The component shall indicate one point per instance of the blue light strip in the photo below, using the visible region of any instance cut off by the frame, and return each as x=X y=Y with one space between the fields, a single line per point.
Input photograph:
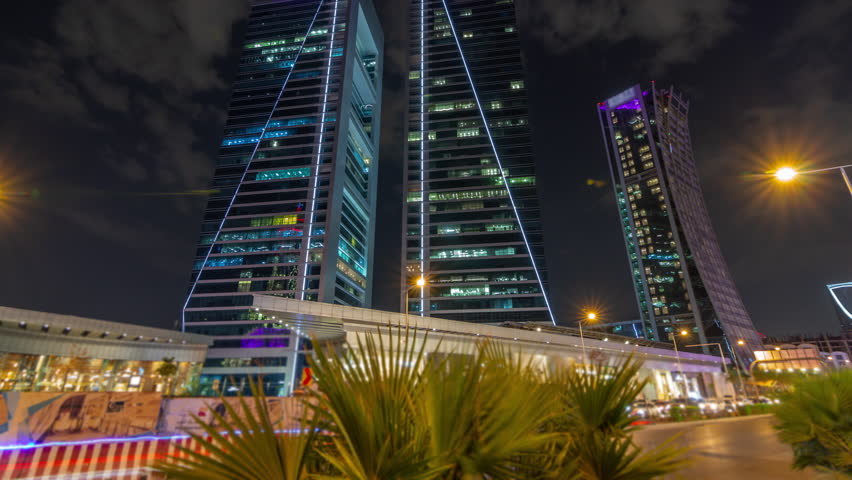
x=100 y=441
x=311 y=210
x=499 y=163
x=423 y=197
x=245 y=171
x=832 y=288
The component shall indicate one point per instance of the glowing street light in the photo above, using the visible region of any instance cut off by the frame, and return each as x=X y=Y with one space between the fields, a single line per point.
x=786 y=174
x=420 y=283
x=684 y=333
x=590 y=317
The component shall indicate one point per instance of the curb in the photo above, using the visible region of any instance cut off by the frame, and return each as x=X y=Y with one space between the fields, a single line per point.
x=707 y=420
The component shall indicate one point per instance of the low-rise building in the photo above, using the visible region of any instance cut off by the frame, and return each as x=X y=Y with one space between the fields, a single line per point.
x=48 y=352
x=672 y=374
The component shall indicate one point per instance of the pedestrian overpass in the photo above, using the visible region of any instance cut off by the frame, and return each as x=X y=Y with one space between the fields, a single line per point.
x=545 y=345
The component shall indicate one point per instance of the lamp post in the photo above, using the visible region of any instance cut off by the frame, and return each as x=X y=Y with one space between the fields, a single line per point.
x=590 y=316
x=721 y=356
x=679 y=365
x=421 y=282
x=738 y=364
x=786 y=174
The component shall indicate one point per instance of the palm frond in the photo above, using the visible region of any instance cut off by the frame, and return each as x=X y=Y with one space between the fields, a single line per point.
x=596 y=398
x=607 y=457
x=367 y=402
x=242 y=445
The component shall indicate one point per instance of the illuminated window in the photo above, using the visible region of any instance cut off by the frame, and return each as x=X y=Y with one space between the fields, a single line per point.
x=439 y=81
x=448 y=107
x=448 y=229
x=432 y=135
x=499 y=227
x=522 y=181
x=467 y=132
x=351 y=274
x=469 y=195
x=415 y=136
x=244 y=286
x=468 y=291
x=472 y=252
x=509 y=29
x=414 y=74
x=496 y=105
x=414 y=197
x=516 y=85
x=230 y=142
x=466 y=12
x=283 y=174
x=279 y=220
x=467 y=35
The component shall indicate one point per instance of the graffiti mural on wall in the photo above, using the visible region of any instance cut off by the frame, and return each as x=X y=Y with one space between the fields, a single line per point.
x=37 y=417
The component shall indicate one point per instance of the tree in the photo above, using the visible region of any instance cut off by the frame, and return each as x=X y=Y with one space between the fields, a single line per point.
x=386 y=408
x=815 y=419
x=167 y=369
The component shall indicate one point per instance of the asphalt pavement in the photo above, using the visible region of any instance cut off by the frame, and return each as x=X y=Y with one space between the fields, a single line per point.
x=729 y=448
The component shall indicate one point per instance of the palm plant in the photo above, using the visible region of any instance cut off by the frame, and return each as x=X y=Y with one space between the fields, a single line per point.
x=815 y=418
x=244 y=446
x=594 y=407
x=368 y=403
x=385 y=408
x=484 y=412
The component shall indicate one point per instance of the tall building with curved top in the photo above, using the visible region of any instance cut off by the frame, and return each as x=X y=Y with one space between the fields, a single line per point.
x=679 y=273
x=295 y=185
x=472 y=221
x=841 y=294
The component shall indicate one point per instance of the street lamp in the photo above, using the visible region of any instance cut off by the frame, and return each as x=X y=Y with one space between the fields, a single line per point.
x=787 y=174
x=673 y=336
x=420 y=282
x=590 y=317
x=738 y=365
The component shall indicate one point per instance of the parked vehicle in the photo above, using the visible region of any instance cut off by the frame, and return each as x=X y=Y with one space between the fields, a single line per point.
x=642 y=409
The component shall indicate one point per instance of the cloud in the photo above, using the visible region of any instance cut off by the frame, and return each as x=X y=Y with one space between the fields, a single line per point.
x=137 y=73
x=826 y=22
x=677 y=30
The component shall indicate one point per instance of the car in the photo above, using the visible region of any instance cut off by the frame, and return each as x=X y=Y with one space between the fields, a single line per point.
x=661 y=407
x=641 y=409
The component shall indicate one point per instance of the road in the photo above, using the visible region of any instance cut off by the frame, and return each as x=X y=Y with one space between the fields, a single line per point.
x=727 y=449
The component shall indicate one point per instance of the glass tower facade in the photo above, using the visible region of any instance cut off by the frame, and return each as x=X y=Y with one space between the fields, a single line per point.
x=295 y=185
x=472 y=222
x=680 y=275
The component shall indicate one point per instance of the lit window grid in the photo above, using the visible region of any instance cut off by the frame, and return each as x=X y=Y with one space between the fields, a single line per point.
x=248 y=164
x=420 y=80
x=312 y=242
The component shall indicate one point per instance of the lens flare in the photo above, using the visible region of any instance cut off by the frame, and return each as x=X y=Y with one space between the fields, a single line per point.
x=785 y=174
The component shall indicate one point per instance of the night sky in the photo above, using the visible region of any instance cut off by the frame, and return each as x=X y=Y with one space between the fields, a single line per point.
x=112 y=113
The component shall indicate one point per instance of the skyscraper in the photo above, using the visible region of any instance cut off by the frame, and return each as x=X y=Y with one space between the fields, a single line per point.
x=293 y=211
x=680 y=276
x=472 y=221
